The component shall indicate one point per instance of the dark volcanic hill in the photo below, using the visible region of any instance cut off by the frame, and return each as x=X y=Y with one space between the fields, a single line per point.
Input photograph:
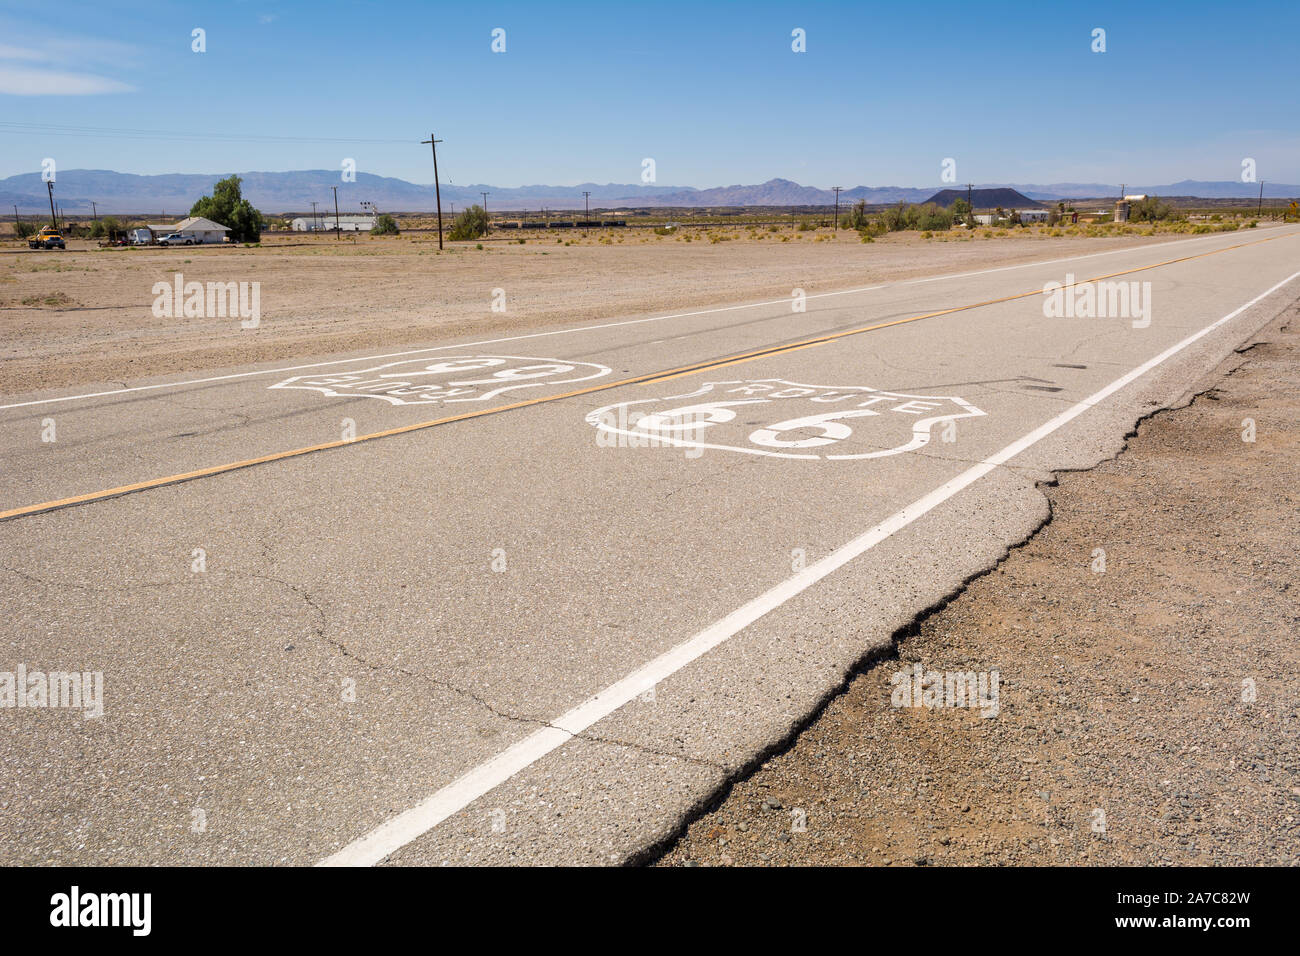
x=985 y=198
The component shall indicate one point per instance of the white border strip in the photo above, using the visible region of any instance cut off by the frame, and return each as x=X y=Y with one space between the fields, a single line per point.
x=592 y=328
x=424 y=816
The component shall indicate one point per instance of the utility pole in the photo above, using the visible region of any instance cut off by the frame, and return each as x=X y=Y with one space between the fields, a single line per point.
x=54 y=220
x=315 y=220
x=485 y=196
x=94 y=211
x=969 y=187
x=837 y=207
x=586 y=197
x=1260 y=211
x=437 y=192
x=336 y=213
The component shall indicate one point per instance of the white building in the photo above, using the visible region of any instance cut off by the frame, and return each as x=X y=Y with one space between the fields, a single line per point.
x=1032 y=215
x=195 y=227
x=324 y=222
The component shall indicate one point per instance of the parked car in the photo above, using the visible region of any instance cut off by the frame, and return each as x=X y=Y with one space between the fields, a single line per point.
x=176 y=239
x=47 y=238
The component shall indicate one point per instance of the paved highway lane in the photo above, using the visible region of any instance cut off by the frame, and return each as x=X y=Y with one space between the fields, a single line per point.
x=543 y=634
x=175 y=426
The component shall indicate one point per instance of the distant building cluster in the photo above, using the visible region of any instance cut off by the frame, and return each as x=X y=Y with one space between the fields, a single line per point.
x=325 y=223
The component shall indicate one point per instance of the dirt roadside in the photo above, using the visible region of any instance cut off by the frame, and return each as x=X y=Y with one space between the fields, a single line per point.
x=85 y=317
x=1148 y=713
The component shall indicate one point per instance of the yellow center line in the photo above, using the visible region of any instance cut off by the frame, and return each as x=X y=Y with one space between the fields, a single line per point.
x=649 y=378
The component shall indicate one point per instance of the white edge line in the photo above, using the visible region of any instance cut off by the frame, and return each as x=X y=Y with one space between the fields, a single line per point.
x=424 y=816
x=588 y=328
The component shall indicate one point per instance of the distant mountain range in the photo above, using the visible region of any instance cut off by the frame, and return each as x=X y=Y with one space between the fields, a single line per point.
x=170 y=196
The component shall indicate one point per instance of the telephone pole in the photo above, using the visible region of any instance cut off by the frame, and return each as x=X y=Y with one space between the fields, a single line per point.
x=94 y=211
x=1260 y=210
x=485 y=196
x=315 y=220
x=969 y=187
x=586 y=198
x=837 y=207
x=336 y=213
x=437 y=192
x=54 y=219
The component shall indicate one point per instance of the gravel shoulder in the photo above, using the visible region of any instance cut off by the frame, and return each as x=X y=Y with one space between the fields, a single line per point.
x=1148 y=711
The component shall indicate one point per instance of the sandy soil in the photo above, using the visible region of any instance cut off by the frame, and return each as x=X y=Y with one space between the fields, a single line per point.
x=84 y=316
x=1125 y=733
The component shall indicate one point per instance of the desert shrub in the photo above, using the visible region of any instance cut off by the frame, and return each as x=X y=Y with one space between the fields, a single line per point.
x=470 y=224
x=931 y=218
x=1150 y=209
x=385 y=225
x=857 y=216
x=805 y=225
x=894 y=218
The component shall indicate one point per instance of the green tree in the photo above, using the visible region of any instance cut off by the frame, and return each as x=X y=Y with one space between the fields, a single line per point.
x=23 y=229
x=962 y=212
x=470 y=224
x=385 y=225
x=229 y=208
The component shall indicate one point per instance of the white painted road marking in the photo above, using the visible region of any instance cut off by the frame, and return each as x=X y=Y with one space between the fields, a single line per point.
x=446 y=379
x=798 y=411
x=420 y=819
x=582 y=328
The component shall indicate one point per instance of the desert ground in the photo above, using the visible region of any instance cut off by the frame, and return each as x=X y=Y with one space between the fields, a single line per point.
x=84 y=316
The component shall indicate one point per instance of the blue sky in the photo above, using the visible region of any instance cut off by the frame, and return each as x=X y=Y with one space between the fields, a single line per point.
x=712 y=91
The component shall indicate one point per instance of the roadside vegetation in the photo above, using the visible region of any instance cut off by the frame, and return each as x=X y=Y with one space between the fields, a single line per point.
x=385 y=225
x=470 y=224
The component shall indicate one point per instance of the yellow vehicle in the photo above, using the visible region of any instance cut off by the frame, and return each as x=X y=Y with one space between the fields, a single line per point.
x=47 y=238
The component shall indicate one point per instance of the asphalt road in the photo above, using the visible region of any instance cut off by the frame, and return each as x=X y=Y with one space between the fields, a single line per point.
x=625 y=560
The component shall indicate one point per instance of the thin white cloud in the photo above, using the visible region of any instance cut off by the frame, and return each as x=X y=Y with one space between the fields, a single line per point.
x=8 y=52
x=27 y=81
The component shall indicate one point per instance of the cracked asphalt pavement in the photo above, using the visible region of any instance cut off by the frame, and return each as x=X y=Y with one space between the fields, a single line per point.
x=309 y=649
